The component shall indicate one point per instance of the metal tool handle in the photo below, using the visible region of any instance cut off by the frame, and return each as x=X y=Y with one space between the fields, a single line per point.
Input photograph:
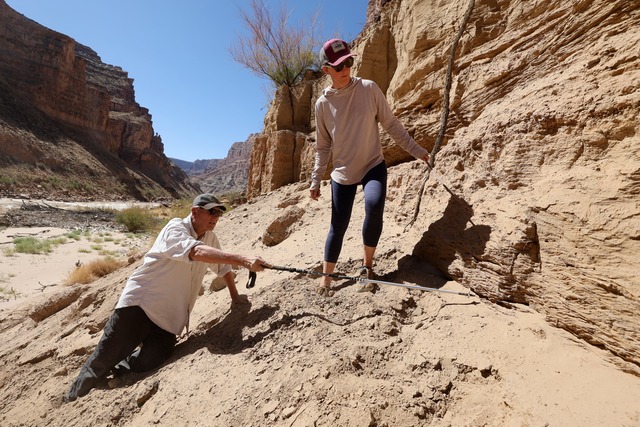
x=365 y=280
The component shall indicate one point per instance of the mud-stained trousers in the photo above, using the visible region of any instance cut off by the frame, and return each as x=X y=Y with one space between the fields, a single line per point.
x=128 y=328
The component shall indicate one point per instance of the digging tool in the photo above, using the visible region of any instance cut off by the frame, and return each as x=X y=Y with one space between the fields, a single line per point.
x=252 y=281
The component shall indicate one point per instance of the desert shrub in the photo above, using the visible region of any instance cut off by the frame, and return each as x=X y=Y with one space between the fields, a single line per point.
x=79 y=185
x=53 y=182
x=274 y=48
x=89 y=272
x=8 y=293
x=58 y=240
x=136 y=219
x=6 y=180
x=75 y=235
x=31 y=245
x=177 y=209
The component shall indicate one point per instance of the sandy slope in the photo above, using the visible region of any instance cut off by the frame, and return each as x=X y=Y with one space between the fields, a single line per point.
x=293 y=358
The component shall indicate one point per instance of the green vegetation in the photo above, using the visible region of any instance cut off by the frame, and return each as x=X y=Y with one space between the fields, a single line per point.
x=107 y=253
x=180 y=208
x=177 y=209
x=273 y=48
x=55 y=182
x=80 y=185
x=59 y=180
x=137 y=220
x=75 y=235
x=6 y=180
x=31 y=245
x=233 y=198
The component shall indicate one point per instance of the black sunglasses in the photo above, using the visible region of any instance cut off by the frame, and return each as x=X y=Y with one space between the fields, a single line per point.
x=347 y=63
x=213 y=211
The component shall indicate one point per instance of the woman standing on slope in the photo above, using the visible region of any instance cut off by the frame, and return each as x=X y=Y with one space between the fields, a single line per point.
x=347 y=117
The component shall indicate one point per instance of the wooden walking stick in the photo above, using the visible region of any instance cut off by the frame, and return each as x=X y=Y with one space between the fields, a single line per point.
x=445 y=113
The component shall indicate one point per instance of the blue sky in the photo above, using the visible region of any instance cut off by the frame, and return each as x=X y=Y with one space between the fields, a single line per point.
x=177 y=53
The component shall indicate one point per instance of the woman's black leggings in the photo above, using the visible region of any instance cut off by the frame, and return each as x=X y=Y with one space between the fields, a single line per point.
x=374 y=184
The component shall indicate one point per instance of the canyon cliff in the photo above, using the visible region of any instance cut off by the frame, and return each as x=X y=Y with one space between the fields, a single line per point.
x=69 y=124
x=532 y=208
x=541 y=153
x=228 y=175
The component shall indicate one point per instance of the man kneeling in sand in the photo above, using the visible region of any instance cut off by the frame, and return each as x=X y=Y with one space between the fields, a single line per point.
x=156 y=301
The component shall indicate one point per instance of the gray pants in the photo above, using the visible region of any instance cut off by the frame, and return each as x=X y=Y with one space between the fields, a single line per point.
x=128 y=328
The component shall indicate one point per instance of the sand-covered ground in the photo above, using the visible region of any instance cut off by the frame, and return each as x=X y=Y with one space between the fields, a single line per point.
x=398 y=357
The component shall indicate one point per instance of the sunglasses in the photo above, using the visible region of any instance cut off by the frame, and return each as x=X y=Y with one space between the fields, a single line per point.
x=347 y=63
x=213 y=211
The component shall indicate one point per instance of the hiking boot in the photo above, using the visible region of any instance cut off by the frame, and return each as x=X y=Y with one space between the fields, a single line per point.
x=121 y=369
x=81 y=386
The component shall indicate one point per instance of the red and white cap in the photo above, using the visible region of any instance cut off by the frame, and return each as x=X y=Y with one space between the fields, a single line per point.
x=334 y=52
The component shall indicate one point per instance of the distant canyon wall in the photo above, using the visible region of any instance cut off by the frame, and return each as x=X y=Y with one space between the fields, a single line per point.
x=541 y=151
x=228 y=175
x=49 y=77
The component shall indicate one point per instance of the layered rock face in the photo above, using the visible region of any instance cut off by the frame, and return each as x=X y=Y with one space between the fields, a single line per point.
x=56 y=90
x=283 y=153
x=541 y=153
x=228 y=175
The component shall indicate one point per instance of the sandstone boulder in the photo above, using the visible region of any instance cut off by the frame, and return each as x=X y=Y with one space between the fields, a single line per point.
x=280 y=228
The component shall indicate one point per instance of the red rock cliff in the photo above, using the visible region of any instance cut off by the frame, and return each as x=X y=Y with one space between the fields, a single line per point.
x=52 y=83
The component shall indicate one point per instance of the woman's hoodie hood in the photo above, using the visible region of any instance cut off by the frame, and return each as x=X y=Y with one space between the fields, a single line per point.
x=342 y=91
